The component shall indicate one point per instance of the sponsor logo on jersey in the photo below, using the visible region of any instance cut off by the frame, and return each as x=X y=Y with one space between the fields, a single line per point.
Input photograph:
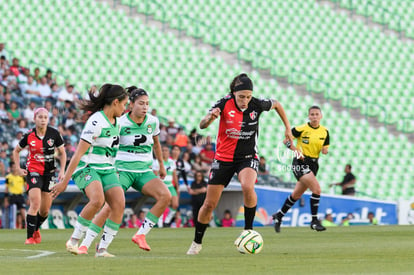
x=149 y=129
x=50 y=142
x=236 y=134
x=253 y=115
x=39 y=157
x=33 y=143
x=231 y=113
x=88 y=177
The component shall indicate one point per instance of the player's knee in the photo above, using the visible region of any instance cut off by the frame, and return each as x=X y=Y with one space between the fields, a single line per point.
x=97 y=202
x=209 y=206
x=164 y=197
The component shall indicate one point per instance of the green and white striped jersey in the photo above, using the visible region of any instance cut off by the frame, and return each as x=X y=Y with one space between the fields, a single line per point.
x=136 y=142
x=104 y=140
x=170 y=167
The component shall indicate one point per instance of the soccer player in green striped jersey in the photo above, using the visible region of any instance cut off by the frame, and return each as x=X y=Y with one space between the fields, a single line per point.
x=92 y=166
x=138 y=138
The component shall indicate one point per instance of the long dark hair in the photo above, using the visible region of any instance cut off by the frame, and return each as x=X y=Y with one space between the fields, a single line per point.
x=106 y=95
x=241 y=82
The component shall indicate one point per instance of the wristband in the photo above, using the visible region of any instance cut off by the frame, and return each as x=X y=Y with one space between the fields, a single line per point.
x=288 y=144
x=6 y=195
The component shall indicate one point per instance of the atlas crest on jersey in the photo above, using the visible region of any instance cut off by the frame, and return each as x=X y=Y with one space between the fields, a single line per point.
x=50 y=142
x=253 y=115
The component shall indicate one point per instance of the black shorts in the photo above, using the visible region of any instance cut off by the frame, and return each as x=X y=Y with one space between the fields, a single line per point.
x=222 y=171
x=18 y=200
x=35 y=180
x=303 y=167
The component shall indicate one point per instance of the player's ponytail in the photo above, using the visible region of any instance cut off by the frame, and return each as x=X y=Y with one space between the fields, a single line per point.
x=241 y=82
x=106 y=95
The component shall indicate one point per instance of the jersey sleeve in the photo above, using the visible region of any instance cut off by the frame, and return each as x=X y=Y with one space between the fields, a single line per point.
x=157 y=127
x=91 y=130
x=58 y=140
x=220 y=103
x=23 y=141
x=172 y=165
x=296 y=133
x=326 y=143
x=265 y=104
x=155 y=165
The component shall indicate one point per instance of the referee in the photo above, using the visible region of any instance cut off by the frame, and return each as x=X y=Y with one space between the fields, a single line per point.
x=14 y=192
x=313 y=139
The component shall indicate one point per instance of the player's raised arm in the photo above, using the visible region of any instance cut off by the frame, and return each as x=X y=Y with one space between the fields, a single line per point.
x=209 y=118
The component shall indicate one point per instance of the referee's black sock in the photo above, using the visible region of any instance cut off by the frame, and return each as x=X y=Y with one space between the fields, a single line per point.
x=40 y=221
x=31 y=222
x=199 y=232
x=314 y=200
x=289 y=202
x=249 y=213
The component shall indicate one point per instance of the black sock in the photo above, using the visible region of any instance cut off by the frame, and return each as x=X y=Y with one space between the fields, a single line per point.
x=199 y=232
x=289 y=202
x=314 y=200
x=40 y=220
x=249 y=214
x=31 y=222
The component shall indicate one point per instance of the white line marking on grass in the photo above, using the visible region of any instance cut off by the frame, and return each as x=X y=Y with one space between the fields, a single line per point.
x=42 y=253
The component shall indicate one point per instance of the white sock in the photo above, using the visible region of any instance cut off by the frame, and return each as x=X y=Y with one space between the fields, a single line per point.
x=170 y=215
x=90 y=236
x=79 y=231
x=146 y=226
x=160 y=221
x=107 y=237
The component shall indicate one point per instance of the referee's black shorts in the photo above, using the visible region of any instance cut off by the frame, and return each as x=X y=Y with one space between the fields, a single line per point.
x=221 y=171
x=18 y=200
x=305 y=166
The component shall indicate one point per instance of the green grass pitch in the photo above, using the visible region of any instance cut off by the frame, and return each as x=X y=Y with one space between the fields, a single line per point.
x=340 y=250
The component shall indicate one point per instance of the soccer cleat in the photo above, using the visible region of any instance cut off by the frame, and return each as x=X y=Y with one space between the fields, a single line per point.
x=316 y=225
x=82 y=250
x=278 y=222
x=277 y=225
x=103 y=253
x=194 y=249
x=71 y=247
x=37 y=237
x=30 y=241
x=141 y=242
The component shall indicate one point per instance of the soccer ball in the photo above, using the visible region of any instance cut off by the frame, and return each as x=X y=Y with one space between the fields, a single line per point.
x=249 y=242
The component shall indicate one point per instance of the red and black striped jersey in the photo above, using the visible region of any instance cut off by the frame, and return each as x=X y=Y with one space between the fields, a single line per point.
x=41 y=150
x=238 y=130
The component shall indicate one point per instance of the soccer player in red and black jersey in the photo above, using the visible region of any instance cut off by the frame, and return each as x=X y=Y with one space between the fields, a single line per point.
x=236 y=151
x=40 y=171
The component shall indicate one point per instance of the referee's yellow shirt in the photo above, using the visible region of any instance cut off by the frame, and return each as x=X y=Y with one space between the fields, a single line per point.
x=311 y=140
x=15 y=184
